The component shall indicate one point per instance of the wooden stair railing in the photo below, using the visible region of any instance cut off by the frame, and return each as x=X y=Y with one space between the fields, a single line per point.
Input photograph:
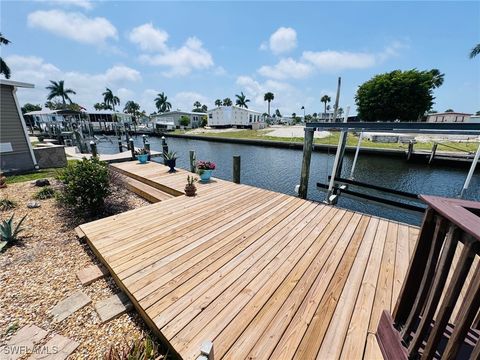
x=421 y=315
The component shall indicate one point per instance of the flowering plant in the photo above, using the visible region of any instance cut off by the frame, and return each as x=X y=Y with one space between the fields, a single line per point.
x=205 y=165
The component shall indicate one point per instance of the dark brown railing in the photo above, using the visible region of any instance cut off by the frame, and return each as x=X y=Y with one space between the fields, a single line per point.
x=420 y=325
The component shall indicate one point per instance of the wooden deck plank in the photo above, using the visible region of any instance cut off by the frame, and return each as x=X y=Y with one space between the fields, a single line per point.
x=337 y=331
x=355 y=341
x=315 y=332
x=259 y=274
x=197 y=299
x=283 y=279
x=216 y=255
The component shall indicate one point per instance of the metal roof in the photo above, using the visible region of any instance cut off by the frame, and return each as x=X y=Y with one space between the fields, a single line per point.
x=16 y=83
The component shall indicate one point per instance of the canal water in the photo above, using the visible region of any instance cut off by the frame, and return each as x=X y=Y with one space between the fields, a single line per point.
x=279 y=170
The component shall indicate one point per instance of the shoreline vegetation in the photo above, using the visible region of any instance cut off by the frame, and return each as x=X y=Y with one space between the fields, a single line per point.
x=332 y=139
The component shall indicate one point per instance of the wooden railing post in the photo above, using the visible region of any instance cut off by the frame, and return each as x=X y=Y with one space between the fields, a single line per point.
x=415 y=270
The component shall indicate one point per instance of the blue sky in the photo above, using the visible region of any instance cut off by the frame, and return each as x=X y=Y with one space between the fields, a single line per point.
x=208 y=50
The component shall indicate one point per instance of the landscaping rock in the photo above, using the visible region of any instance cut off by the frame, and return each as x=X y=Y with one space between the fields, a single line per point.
x=113 y=307
x=58 y=348
x=42 y=182
x=33 y=204
x=22 y=342
x=68 y=306
x=91 y=274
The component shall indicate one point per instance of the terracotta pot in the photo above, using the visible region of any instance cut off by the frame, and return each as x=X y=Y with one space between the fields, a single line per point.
x=190 y=190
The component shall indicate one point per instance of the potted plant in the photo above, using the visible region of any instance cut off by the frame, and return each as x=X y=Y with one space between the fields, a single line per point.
x=190 y=188
x=204 y=169
x=170 y=159
x=142 y=155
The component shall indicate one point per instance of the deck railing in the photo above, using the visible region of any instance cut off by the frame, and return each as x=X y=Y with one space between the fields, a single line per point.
x=420 y=325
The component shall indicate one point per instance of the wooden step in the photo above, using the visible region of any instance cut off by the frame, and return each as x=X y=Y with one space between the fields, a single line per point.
x=147 y=192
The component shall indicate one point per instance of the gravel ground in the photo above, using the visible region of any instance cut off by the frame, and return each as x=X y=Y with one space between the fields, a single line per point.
x=41 y=270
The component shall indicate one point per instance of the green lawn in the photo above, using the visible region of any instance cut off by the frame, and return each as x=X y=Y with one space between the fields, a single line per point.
x=35 y=175
x=352 y=140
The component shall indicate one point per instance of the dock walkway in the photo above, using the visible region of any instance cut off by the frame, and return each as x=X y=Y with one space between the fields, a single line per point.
x=260 y=274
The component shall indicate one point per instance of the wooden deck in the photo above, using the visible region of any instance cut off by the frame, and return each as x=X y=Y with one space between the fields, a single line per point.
x=260 y=274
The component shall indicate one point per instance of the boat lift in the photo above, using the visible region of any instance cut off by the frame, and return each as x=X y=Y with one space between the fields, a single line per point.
x=338 y=185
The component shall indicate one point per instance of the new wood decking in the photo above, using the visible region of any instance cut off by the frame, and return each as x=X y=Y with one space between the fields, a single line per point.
x=258 y=273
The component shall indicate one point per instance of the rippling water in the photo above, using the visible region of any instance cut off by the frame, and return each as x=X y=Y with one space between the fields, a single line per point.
x=279 y=170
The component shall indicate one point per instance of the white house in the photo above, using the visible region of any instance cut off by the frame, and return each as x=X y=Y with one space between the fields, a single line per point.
x=228 y=116
x=171 y=120
x=448 y=117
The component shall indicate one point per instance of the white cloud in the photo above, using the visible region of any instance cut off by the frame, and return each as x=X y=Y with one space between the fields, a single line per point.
x=338 y=60
x=191 y=56
x=282 y=40
x=327 y=61
x=179 y=61
x=285 y=69
x=73 y=25
x=84 y=4
x=89 y=87
x=148 y=38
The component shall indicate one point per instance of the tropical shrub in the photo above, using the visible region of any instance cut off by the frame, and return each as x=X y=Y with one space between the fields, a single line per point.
x=46 y=192
x=7 y=204
x=140 y=349
x=85 y=185
x=9 y=232
x=184 y=120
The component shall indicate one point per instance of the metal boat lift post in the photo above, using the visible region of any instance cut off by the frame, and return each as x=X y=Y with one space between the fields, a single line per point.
x=389 y=127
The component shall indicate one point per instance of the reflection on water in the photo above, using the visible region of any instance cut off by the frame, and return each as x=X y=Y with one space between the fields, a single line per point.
x=279 y=170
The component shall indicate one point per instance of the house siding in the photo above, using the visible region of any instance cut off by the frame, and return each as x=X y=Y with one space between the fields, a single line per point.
x=11 y=131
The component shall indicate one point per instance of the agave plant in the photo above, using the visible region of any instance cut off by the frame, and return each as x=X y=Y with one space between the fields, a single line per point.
x=9 y=231
x=139 y=349
x=172 y=155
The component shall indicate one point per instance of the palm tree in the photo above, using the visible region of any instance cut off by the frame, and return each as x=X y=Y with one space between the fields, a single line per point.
x=4 y=69
x=57 y=89
x=437 y=78
x=242 y=100
x=325 y=99
x=161 y=103
x=110 y=99
x=227 y=102
x=340 y=112
x=277 y=113
x=475 y=51
x=268 y=97
x=131 y=107
x=218 y=102
x=197 y=104
x=204 y=108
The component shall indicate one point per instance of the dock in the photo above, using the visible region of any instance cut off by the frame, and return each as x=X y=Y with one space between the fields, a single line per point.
x=258 y=274
x=73 y=154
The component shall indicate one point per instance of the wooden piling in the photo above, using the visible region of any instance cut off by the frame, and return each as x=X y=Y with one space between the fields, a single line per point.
x=164 y=145
x=146 y=146
x=192 y=158
x=132 y=148
x=120 y=147
x=410 y=150
x=307 y=156
x=93 y=148
x=236 y=169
